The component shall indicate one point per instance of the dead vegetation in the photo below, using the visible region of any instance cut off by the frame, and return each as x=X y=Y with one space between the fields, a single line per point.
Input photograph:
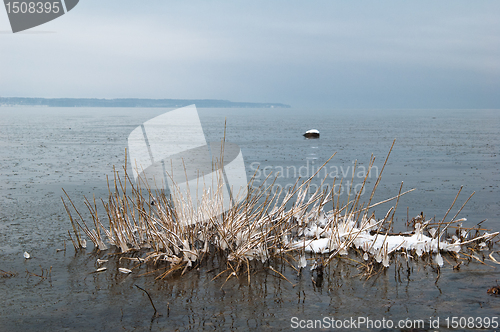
x=7 y=274
x=44 y=274
x=495 y=290
x=168 y=233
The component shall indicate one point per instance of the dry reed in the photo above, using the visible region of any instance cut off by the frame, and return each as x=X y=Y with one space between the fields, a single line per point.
x=170 y=232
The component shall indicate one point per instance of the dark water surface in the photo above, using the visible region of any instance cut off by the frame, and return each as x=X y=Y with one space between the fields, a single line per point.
x=45 y=149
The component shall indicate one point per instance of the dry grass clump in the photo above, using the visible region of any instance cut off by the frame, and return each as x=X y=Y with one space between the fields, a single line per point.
x=171 y=232
x=7 y=274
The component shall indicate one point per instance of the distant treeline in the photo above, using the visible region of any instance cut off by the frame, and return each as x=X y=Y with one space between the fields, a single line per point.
x=130 y=102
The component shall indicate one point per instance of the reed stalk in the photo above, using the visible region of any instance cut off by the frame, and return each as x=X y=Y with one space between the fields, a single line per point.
x=170 y=229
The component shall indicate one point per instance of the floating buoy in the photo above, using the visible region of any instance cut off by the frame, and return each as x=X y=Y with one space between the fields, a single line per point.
x=26 y=255
x=313 y=133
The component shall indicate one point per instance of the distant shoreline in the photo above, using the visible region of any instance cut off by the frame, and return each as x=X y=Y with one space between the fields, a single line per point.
x=131 y=102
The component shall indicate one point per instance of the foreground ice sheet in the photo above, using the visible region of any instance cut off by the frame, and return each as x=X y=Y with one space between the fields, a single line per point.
x=337 y=236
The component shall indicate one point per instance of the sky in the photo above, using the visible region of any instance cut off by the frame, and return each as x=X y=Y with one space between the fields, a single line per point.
x=333 y=54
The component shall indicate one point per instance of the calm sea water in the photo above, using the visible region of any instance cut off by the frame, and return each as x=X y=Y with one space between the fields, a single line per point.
x=45 y=149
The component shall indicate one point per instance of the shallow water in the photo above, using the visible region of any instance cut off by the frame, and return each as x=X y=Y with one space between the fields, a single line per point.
x=46 y=149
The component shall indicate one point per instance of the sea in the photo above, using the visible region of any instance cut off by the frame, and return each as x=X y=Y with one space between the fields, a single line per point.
x=439 y=153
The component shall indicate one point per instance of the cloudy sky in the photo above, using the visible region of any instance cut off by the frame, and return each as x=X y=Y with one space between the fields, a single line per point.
x=338 y=54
